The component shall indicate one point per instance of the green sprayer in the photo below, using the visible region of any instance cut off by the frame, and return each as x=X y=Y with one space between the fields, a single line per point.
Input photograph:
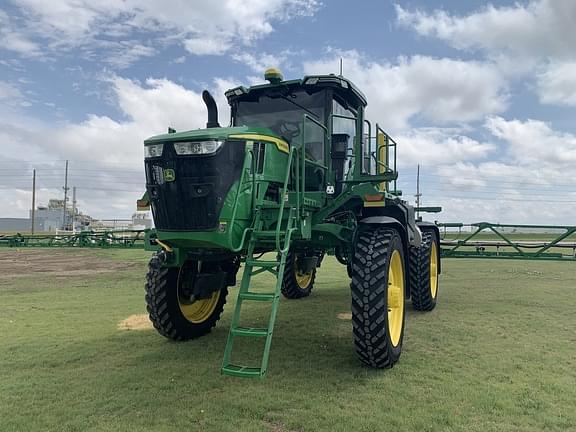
x=299 y=174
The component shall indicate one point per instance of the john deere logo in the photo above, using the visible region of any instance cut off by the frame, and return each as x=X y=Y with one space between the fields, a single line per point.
x=169 y=175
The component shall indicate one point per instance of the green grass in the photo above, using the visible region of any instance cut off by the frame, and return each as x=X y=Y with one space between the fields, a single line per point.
x=498 y=354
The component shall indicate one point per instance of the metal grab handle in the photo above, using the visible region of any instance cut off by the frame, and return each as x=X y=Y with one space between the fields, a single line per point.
x=248 y=163
x=283 y=203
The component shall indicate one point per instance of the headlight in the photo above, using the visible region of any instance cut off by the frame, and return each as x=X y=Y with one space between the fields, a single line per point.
x=153 y=150
x=197 y=148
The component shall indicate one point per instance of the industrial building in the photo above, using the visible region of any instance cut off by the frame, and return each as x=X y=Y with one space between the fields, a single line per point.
x=53 y=218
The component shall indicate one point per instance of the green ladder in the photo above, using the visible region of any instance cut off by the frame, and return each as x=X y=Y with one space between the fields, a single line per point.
x=252 y=267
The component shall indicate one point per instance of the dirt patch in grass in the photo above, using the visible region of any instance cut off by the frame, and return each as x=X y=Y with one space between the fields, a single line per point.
x=273 y=426
x=135 y=322
x=345 y=316
x=51 y=262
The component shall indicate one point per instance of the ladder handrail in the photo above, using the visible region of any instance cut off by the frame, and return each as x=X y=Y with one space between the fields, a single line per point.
x=248 y=160
x=284 y=197
x=289 y=230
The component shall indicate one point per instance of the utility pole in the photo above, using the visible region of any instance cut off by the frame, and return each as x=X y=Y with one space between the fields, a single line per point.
x=65 y=197
x=74 y=209
x=33 y=200
x=418 y=194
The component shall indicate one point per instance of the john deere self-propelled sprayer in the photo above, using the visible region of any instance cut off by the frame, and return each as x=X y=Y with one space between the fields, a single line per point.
x=298 y=174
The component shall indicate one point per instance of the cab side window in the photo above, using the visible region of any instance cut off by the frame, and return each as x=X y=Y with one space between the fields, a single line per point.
x=343 y=135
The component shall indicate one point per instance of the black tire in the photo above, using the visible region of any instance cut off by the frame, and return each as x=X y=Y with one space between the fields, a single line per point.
x=374 y=252
x=291 y=287
x=163 y=304
x=423 y=295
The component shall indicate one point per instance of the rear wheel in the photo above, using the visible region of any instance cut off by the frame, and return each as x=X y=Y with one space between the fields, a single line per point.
x=424 y=264
x=299 y=275
x=378 y=297
x=177 y=308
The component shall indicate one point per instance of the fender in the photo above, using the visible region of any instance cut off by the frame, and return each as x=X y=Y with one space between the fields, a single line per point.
x=386 y=220
x=391 y=222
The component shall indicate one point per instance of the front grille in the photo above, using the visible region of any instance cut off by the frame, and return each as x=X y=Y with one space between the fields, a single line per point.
x=194 y=199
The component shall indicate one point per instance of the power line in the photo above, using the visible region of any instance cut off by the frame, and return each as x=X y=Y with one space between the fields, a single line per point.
x=494 y=179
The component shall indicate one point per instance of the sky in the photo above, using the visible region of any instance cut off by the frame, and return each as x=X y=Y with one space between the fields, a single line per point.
x=481 y=95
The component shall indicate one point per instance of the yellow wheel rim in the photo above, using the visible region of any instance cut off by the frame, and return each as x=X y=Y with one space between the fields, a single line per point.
x=199 y=310
x=302 y=279
x=434 y=270
x=395 y=298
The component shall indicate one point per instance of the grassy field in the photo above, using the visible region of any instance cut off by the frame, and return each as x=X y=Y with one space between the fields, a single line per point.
x=498 y=354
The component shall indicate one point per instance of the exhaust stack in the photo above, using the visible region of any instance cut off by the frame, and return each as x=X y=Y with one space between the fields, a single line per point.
x=212 y=110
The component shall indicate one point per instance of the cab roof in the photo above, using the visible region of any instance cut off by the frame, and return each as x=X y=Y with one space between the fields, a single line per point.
x=342 y=86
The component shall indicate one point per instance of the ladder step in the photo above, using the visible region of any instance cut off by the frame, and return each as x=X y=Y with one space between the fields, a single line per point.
x=260 y=239
x=250 y=331
x=242 y=371
x=257 y=296
x=262 y=263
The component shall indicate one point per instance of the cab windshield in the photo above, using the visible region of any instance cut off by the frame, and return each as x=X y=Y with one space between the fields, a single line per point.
x=283 y=113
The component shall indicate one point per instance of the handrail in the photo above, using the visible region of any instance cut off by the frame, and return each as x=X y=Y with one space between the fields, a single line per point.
x=248 y=160
x=362 y=170
x=289 y=231
x=283 y=199
x=390 y=145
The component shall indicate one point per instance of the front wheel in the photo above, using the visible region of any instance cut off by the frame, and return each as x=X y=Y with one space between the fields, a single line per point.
x=181 y=307
x=378 y=297
x=299 y=275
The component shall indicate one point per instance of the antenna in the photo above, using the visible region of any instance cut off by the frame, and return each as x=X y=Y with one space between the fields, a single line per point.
x=341 y=62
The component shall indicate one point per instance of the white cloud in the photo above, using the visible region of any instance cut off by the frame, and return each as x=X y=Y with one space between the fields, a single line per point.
x=113 y=149
x=557 y=84
x=202 y=27
x=441 y=91
x=439 y=146
x=15 y=204
x=127 y=53
x=149 y=109
x=534 y=143
x=504 y=192
x=530 y=183
x=12 y=40
x=505 y=210
x=9 y=94
x=207 y=46
x=534 y=39
x=259 y=63
x=537 y=29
